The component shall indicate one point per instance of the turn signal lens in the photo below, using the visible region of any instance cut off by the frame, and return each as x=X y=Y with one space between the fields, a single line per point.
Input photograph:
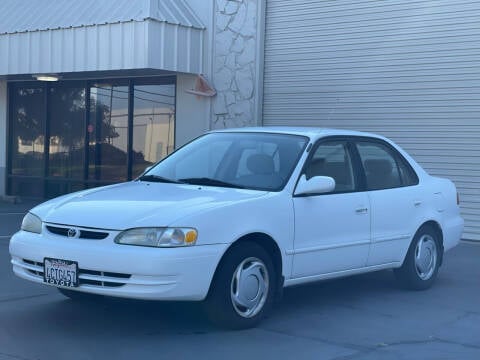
x=191 y=237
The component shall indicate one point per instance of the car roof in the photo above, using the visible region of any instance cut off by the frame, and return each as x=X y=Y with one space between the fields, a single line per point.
x=311 y=132
x=315 y=133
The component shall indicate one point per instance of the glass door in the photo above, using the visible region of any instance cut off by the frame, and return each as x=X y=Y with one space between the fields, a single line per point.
x=66 y=134
x=27 y=140
x=153 y=125
x=73 y=135
x=108 y=133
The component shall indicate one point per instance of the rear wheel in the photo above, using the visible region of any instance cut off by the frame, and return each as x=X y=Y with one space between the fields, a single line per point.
x=243 y=287
x=421 y=264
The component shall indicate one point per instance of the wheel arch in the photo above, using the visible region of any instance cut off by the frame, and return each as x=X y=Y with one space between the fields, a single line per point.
x=438 y=229
x=269 y=245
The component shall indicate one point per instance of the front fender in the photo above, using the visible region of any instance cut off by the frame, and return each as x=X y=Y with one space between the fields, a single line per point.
x=271 y=215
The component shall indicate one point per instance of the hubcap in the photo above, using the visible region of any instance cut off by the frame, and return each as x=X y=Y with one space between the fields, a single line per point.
x=249 y=288
x=426 y=257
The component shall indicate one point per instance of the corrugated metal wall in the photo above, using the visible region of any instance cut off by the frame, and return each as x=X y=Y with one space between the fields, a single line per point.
x=36 y=15
x=409 y=70
x=119 y=46
x=46 y=36
x=91 y=48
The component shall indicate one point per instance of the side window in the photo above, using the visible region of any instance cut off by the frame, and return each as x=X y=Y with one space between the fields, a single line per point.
x=384 y=169
x=332 y=159
x=409 y=177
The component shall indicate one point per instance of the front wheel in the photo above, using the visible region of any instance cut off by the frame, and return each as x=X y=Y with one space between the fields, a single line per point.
x=421 y=264
x=243 y=287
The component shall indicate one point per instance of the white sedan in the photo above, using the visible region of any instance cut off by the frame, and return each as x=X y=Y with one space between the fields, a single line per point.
x=236 y=215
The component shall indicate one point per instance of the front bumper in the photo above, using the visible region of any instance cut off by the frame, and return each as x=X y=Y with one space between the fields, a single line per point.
x=106 y=268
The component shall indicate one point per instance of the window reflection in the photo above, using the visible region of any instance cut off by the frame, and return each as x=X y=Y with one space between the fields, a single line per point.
x=153 y=124
x=108 y=132
x=58 y=145
x=67 y=135
x=27 y=141
x=27 y=127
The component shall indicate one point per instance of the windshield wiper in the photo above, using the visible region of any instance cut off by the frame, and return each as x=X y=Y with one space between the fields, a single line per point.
x=156 y=178
x=210 y=182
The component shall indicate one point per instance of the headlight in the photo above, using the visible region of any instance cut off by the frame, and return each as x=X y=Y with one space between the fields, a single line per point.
x=158 y=237
x=32 y=223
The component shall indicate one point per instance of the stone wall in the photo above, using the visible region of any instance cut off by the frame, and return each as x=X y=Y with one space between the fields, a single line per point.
x=235 y=63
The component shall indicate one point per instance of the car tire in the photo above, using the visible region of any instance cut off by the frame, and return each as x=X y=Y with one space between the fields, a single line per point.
x=420 y=266
x=243 y=287
x=79 y=296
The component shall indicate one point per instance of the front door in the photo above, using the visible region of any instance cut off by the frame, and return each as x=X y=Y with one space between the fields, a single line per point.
x=332 y=231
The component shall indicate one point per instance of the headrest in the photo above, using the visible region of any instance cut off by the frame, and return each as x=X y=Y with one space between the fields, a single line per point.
x=317 y=163
x=260 y=164
x=378 y=166
x=315 y=167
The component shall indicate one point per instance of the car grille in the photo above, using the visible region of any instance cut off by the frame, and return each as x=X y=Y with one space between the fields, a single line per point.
x=84 y=234
x=85 y=277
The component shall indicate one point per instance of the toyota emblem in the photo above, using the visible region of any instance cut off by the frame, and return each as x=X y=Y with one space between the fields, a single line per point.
x=71 y=233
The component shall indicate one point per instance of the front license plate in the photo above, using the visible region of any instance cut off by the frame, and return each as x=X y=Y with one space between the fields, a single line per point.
x=60 y=272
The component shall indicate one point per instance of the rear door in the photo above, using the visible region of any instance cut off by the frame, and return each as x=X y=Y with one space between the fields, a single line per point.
x=395 y=197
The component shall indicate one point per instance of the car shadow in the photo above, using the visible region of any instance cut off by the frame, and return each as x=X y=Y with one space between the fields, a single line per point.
x=335 y=290
x=114 y=316
x=138 y=316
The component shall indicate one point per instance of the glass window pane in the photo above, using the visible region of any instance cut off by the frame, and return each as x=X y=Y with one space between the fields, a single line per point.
x=67 y=132
x=59 y=187
x=26 y=186
x=381 y=170
x=59 y=109
x=27 y=121
x=251 y=160
x=408 y=175
x=153 y=125
x=333 y=159
x=204 y=162
x=108 y=133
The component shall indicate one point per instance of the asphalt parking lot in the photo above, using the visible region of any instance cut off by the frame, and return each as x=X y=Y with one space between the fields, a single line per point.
x=361 y=317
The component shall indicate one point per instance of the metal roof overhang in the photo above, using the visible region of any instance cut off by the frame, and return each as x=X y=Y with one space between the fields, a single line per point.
x=154 y=43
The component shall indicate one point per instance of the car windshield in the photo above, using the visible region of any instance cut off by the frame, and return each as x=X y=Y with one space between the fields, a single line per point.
x=261 y=161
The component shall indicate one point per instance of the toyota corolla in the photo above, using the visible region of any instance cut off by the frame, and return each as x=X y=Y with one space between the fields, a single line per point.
x=236 y=215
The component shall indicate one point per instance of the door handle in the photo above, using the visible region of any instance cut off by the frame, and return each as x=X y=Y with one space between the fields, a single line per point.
x=417 y=203
x=361 y=210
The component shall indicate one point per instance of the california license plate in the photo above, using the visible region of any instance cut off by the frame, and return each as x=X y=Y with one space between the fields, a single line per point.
x=60 y=272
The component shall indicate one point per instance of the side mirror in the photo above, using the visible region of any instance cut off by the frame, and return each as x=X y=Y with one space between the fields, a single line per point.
x=315 y=185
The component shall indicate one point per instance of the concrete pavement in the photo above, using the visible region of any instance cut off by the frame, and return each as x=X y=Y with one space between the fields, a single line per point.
x=361 y=317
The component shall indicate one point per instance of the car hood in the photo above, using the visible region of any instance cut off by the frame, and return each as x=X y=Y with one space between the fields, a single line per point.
x=137 y=204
